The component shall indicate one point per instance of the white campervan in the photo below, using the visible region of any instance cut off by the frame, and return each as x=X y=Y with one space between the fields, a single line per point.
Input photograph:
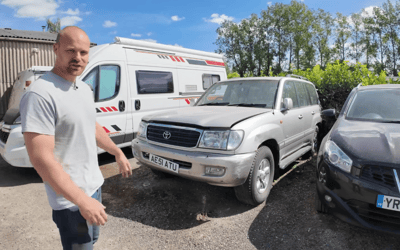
x=130 y=79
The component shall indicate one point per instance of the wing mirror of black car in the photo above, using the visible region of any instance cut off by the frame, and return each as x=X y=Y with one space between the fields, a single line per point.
x=329 y=117
x=287 y=104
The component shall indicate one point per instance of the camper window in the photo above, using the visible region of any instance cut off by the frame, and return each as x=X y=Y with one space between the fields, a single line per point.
x=154 y=82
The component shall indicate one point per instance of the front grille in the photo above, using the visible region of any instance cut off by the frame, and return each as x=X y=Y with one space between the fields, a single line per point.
x=380 y=175
x=4 y=136
x=375 y=215
x=179 y=136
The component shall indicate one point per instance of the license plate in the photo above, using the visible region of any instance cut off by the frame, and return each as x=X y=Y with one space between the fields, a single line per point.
x=174 y=167
x=388 y=202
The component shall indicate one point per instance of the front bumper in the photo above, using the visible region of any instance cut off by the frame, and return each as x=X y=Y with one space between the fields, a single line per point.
x=14 y=151
x=193 y=164
x=354 y=200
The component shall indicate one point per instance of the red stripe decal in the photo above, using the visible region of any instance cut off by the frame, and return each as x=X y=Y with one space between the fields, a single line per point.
x=114 y=108
x=172 y=58
x=181 y=59
x=215 y=63
x=177 y=58
x=187 y=101
x=109 y=109
x=103 y=109
x=107 y=131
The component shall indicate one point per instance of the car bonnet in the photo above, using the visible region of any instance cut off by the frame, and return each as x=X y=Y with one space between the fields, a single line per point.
x=205 y=116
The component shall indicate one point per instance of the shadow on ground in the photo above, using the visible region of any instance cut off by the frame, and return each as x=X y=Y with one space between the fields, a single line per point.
x=289 y=221
x=167 y=202
x=14 y=176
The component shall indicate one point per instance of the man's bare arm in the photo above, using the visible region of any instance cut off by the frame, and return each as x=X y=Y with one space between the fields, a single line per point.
x=104 y=142
x=40 y=149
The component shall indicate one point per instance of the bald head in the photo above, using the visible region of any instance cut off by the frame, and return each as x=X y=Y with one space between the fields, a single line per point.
x=67 y=32
x=72 y=52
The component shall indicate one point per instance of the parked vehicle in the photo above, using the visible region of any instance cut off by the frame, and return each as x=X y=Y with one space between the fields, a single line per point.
x=130 y=79
x=358 y=164
x=238 y=134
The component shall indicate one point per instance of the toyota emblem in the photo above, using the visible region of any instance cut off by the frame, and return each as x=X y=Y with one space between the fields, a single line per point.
x=167 y=135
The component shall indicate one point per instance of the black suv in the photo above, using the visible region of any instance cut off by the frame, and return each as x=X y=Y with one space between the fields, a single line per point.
x=358 y=164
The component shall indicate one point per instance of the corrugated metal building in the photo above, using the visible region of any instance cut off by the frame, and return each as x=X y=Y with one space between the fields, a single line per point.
x=20 y=50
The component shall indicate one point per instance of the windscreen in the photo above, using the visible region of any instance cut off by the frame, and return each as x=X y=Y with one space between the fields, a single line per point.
x=248 y=93
x=381 y=105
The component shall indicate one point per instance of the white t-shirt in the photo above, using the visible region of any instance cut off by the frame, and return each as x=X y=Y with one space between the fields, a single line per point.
x=52 y=106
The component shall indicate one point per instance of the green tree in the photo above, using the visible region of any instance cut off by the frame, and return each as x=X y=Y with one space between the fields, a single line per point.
x=322 y=28
x=369 y=40
x=343 y=34
x=53 y=27
x=357 y=35
x=230 y=42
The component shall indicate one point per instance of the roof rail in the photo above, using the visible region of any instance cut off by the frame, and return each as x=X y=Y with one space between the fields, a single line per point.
x=297 y=76
x=359 y=85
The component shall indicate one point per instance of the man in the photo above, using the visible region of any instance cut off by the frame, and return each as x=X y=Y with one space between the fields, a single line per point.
x=60 y=132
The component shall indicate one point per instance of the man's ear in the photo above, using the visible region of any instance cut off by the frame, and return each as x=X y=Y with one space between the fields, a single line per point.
x=55 y=48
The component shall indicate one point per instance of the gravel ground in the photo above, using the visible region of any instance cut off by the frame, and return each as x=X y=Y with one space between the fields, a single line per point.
x=147 y=211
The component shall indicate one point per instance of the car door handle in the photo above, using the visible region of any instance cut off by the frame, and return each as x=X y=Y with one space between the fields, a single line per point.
x=300 y=116
x=121 y=105
x=137 y=104
x=313 y=113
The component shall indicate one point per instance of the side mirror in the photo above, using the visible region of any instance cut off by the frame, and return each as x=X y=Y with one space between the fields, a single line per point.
x=329 y=117
x=287 y=104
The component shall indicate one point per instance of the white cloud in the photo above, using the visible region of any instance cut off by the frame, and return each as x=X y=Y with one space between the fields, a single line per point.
x=369 y=11
x=269 y=3
x=71 y=12
x=33 y=8
x=109 y=24
x=216 y=18
x=150 y=40
x=136 y=35
x=70 y=20
x=177 y=45
x=149 y=34
x=176 y=18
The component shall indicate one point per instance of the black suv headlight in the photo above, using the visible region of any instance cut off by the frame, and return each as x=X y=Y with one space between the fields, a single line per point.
x=336 y=156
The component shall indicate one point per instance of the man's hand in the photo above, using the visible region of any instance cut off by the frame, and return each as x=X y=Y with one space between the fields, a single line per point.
x=93 y=212
x=124 y=165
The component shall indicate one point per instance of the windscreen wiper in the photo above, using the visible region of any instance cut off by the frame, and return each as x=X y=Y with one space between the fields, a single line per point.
x=248 y=104
x=214 y=104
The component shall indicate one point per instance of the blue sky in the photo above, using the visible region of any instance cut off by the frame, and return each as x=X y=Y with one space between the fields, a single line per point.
x=190 y=24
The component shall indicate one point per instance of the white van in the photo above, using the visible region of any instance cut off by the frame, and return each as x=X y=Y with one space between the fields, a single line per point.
x=130 y=79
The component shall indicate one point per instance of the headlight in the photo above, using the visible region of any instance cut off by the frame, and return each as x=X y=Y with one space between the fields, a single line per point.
x=226 y=140
x=142 y=131
x=18 y=120
x=337 y=157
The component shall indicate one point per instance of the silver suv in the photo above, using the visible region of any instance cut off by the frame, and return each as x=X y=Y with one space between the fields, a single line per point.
x=238 y=134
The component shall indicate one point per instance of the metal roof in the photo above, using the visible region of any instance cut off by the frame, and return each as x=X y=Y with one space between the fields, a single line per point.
x=31 y=35
x=28 y=34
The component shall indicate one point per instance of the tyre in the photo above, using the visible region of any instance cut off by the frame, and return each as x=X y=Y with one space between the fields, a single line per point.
x=319 y=205
x=259 y=182
x=316 y=141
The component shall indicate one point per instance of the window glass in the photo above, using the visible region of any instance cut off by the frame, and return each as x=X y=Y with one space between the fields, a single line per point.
x=247 y=93
x=157 y=82
x=381 y=105
x=302 y=94
x=109 y=82
x=91 y=78
x=290 y=92
x=209 y=80
x=312 y=93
